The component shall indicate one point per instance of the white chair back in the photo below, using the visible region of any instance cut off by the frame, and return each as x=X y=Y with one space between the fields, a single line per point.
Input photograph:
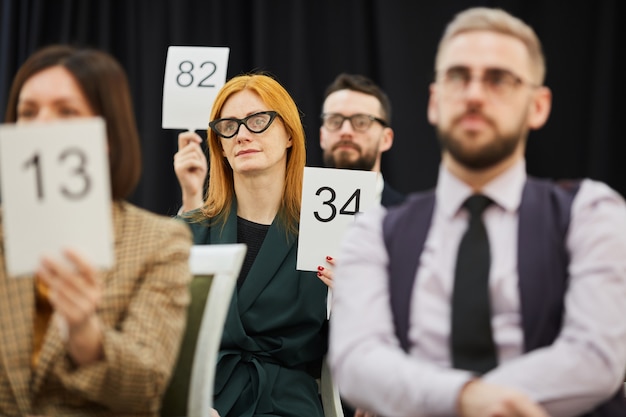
x=223 y=262
x=329 y=393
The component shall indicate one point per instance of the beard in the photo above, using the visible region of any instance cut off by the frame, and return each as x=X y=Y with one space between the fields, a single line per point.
x=342 y=159
x=500 y=148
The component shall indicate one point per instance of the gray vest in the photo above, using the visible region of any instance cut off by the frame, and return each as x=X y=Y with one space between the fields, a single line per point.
x=544 y=217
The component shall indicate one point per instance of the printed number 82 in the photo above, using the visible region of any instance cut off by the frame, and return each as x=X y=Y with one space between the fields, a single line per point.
x=185 y=76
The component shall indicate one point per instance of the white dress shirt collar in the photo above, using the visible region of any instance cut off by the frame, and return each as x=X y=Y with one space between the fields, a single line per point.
x=505 y=190
x=380 y=184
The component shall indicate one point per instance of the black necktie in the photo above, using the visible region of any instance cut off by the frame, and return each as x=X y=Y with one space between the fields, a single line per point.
x=471 y=338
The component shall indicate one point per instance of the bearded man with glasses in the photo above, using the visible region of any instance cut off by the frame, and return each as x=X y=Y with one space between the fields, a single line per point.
x=360 y=143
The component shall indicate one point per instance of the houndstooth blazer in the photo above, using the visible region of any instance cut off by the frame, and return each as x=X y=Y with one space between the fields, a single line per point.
x=143 y=310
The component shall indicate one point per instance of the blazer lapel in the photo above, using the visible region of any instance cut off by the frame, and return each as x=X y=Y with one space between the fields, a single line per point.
x=16 y=330
x=228 y=232
x=273 y=251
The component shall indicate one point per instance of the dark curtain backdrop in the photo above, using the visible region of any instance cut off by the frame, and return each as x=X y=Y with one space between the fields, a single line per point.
x=305 y=43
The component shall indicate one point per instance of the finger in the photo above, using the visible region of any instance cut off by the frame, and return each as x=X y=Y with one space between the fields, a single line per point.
x=188 y=155
x=327 y=272
x=74 y=287
x=188 y=164
x=75 y=308
x=82 y=266
x=325 y=279
x=193 y=155
x=52 y=271
x=192 y=147
x=188 y=137
x=74 y=284
x=330 y=260
x=44 y=275
x=528 y=408
x=76 y=303
x=191 y=151
x=68 y=292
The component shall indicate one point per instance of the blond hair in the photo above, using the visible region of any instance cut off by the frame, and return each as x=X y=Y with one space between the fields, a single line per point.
x=496 y=20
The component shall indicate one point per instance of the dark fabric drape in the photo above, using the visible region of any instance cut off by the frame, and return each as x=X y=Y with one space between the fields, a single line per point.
x=306 y=43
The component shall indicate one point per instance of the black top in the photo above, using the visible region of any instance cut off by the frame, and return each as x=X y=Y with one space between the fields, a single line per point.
x=252 y=234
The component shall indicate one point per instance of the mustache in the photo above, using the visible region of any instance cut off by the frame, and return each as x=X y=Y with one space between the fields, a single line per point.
x=346 y=143
x=473 y=112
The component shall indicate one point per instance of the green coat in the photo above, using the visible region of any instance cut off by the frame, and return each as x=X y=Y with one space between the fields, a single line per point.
x=275 y=328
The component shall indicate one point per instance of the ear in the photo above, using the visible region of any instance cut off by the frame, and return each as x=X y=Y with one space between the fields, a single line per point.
x=540 y=107
x=289 y=142
x=387 y=140
x=321 y=138
x=432 y=110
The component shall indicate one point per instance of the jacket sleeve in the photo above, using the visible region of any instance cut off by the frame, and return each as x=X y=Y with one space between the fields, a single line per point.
x=143 y=314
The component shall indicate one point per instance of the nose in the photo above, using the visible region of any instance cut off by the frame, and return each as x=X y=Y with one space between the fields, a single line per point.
x=475 y=88
x=245 y=134
x=44 y=114
x=346 y=126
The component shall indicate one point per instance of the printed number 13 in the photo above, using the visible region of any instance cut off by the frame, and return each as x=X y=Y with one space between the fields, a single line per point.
x=78 y=171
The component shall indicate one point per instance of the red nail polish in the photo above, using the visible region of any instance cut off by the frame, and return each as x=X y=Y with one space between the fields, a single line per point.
x=319 y=274
x=329 y=258
x=320 y=268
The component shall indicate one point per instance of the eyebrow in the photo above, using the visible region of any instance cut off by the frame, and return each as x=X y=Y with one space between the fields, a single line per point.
x=60 y=100
x=465 y=67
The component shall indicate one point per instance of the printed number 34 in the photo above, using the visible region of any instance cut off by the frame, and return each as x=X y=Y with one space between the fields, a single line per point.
x=353 y=199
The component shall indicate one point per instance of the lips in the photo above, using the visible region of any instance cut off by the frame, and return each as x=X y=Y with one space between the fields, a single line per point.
x=346 y=144
x=246 y=152
x=472 y=121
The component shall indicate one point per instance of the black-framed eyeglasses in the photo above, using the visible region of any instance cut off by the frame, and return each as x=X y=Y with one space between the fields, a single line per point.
x=359 y=122
x=255 y=123
x=498 y=82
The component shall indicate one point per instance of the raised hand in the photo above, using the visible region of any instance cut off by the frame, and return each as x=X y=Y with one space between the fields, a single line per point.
x=191 y=167
x=75 y=292
x=325 y=272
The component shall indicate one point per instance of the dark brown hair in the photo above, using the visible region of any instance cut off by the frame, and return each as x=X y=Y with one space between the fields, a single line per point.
x=362 y=84
x=105 y=86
